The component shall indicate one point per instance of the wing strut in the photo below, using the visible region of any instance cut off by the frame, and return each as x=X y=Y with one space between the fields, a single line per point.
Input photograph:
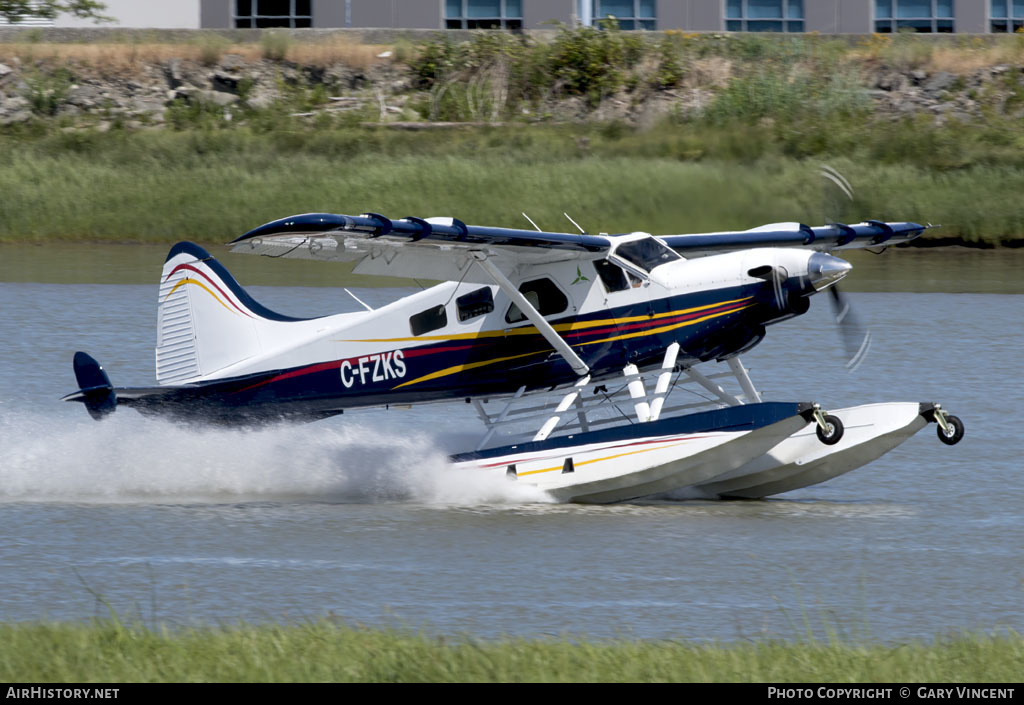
x=545 y=329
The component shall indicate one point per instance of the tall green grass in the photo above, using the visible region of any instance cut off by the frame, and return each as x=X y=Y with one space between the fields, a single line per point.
x=210 y=185
x=106 y=652
x=779 y=107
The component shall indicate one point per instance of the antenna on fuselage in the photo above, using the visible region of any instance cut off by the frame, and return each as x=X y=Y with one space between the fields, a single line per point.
x=532 y=223
x=364 y=304
x=582 y=231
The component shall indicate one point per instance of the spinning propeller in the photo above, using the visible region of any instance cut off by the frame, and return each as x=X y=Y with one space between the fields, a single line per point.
x=855 y=336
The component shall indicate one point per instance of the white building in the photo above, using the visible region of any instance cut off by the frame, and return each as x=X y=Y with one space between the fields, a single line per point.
x=155 y=14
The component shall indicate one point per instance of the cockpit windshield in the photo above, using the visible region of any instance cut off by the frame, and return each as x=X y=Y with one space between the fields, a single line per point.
x=646 y=253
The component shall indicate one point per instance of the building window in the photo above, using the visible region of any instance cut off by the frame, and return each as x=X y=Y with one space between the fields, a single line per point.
x=764 y=15
x=1007 y=16
x=273 y=13
x=629 y=14
x=483 y=14
x=913 y=16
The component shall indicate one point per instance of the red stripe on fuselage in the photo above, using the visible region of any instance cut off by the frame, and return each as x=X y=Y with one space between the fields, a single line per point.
x=334 y=364
x=296 y=373
x=655 y=322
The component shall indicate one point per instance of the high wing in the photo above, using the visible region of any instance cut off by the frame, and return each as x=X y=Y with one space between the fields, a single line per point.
x=444 y=248
x=435 y=248
x=826 y=238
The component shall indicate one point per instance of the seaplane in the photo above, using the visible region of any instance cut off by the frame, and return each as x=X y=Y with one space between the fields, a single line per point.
x=603 y=367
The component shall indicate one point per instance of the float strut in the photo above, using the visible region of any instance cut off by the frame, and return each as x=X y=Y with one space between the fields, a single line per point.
x=819 y=417
x=940 y=418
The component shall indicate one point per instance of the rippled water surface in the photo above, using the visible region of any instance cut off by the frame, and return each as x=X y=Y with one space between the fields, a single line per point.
x=358 y=516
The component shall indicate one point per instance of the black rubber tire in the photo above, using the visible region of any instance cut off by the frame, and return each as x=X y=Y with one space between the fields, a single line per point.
x=831 y=439
x=957 y=428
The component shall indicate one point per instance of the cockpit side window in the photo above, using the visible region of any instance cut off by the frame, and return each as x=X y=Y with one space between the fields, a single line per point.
x=543 y=295
x=612 y=276
x=646 y=253
x=475 y=303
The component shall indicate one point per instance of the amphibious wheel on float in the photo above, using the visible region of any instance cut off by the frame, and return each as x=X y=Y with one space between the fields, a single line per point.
x=832 y=432
x=953 y=431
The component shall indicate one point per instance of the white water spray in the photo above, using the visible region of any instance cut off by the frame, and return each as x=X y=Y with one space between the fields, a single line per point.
x=128 y=458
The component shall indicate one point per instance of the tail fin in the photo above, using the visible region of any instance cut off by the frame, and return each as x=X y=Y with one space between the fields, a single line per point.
x=95 y=390
x=205 y=320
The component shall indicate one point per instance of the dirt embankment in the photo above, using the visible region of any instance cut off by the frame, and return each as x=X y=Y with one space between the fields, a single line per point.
x=90 y=85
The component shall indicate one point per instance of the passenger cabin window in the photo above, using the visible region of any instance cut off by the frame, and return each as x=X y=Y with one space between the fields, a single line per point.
x=612 y=276
x=543 y=295
x=475 y=303
x=646 y=254
x=426 y=321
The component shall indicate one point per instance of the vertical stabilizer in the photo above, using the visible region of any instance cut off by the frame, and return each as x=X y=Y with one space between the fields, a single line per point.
x=95 y=390
x=205 y=320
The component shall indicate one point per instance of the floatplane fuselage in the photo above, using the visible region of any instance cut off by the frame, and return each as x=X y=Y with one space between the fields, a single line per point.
x=230 y=360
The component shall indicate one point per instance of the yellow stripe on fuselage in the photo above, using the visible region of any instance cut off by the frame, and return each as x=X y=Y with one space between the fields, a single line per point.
x=468 y=366
x=663 y=329
x=559 y=327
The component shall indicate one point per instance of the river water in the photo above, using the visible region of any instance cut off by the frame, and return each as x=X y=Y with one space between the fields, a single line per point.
x=358 y=518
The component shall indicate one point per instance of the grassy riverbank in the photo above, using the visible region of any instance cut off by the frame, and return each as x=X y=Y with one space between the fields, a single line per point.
x=667 y=132
x=109 y=652
x=163 y=186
